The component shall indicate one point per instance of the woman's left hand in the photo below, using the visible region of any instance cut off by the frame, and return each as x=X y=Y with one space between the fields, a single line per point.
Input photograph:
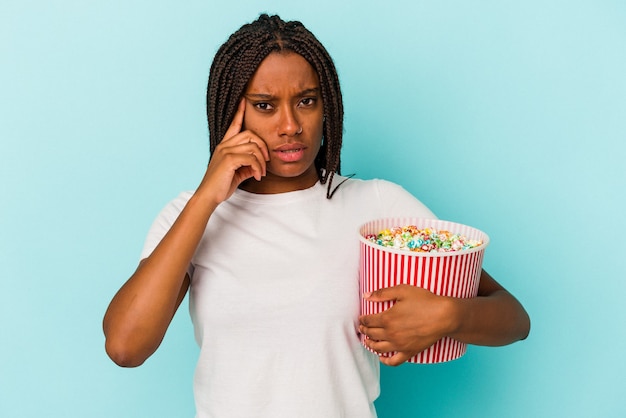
x=417 y=320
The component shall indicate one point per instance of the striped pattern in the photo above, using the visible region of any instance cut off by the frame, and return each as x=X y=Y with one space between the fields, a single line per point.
x=455 y=274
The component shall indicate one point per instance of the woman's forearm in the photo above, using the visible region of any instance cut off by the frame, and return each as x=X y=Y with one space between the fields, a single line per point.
x=493 y=318
x=141 y=311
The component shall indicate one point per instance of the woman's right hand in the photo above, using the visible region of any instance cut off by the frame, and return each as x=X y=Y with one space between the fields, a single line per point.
x=239 y=156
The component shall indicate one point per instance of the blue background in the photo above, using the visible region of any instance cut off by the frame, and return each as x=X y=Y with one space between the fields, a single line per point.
x=508 y=116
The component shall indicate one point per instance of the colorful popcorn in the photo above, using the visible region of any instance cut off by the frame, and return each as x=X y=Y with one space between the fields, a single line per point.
x=428 y=240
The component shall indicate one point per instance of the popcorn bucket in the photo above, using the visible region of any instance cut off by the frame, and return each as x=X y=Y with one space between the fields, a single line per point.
x=452 y=273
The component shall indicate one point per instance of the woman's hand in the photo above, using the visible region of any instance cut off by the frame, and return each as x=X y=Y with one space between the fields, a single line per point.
x=239 y=156
x=420 y=318
x=416 y=321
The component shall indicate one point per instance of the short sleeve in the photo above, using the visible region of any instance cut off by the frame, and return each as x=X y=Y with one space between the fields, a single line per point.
x=163 y=223
x=398 y=202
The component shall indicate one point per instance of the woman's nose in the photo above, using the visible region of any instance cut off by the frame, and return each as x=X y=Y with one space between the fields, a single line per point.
x=288 y=123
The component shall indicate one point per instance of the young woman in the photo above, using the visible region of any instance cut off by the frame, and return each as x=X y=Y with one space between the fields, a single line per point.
x=266 y=248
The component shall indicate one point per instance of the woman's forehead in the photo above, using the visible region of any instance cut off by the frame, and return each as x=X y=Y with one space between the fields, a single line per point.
x=283 y=71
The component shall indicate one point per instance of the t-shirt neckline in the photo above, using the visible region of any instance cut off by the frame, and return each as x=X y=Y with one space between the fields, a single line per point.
x=240 y=194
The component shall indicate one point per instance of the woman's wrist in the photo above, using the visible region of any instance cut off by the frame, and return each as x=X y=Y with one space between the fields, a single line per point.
x=204 y=201
x=457 y=312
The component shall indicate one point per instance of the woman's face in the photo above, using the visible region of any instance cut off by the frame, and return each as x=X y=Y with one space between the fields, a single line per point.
x=284 y=108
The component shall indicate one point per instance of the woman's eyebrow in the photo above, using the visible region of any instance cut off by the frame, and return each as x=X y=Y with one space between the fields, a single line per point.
x=263 y=96
x=308 y=92
x=267 y=96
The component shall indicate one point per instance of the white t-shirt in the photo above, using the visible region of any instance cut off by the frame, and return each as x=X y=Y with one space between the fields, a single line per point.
x=274 y=300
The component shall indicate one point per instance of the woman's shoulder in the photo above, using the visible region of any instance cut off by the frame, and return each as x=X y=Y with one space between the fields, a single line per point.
x=355 y=184
x=384 y=196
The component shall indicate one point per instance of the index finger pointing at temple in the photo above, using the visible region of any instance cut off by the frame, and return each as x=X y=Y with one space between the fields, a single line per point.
x=237 y=123
x=235 y=128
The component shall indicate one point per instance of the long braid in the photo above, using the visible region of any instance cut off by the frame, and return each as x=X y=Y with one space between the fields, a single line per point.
x=238 y=58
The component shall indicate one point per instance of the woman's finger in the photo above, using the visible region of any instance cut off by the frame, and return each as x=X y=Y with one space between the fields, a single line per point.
x=373 y=320
x=373 y=333
x=380 y=347
x=235 y=136
x=237 y=123
x=384 y=347
x=396 y=360
x=245 y=145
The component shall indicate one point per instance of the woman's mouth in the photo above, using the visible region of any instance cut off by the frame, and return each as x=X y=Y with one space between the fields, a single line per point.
x=290 y=153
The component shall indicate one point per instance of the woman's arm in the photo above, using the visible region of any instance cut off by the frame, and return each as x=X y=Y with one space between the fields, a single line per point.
x=141 y=311
x=494 y=318
x=419 y=318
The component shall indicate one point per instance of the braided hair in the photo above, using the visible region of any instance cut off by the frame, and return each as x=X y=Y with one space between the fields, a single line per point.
x=236 y=62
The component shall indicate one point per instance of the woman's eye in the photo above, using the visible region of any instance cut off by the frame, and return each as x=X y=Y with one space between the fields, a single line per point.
x=307 y=101
x=263 y=106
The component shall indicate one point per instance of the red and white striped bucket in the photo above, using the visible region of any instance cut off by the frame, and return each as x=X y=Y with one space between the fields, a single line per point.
x=454 y=273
